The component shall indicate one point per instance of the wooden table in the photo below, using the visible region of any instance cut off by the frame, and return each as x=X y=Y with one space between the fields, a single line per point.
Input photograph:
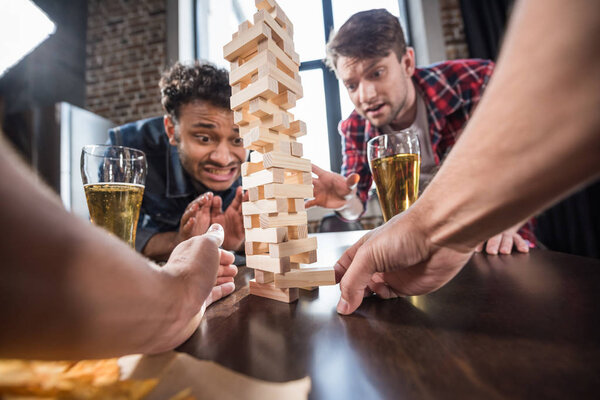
x=519 y=326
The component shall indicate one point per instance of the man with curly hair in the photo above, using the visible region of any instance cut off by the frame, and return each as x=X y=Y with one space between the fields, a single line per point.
x=194 y=157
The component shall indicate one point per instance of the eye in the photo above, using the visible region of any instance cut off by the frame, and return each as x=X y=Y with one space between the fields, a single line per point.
x=204 y=139
x=377 y=73
x=351 y=87
x=238 y=141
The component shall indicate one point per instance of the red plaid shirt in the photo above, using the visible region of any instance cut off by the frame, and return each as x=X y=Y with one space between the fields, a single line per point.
x=451 y=91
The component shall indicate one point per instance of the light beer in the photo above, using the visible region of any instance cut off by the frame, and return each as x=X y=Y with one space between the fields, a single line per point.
x=115 y=207
x=397 y=181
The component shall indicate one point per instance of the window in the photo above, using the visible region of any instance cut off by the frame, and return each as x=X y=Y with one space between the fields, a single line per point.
x=325 y=102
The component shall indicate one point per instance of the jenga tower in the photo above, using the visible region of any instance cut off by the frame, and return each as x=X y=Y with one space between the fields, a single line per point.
x=265 y=85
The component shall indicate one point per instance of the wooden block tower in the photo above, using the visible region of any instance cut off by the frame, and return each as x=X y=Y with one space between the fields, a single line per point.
x=265 y=84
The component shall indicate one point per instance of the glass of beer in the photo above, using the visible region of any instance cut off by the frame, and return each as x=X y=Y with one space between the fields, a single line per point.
x=395 y=162
x=113 y=180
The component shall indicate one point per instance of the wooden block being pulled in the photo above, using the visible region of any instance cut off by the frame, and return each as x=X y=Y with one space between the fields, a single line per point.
x=269 y=235
x=282 y=219
x=294 y=191
x=270 y=264
x=280 y=160
x=304 y=277
x=309 y=257
x=269 y=175
x=292 y=247
x=269 y=291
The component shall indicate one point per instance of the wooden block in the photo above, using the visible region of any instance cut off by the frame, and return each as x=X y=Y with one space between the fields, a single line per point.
x=242 y=117
x=269 y=291
x=269 y=235
x=285 y=100
x=292 y=247
x=246 y=42
x=252 y=167
x=297 y=232
x=265 y=206
x=308 y=257
x=256 y=193
x=282 y=219
x=266 y=87
x=235 y=89
x=294 y=191
x=258 y=137
x=261 y=108
x=297 y=128
x=251 y=221
x=280 y=160
x=255 y=248
x=244 y=26
x=256 y=157
x=285 y=81
x=270 y=175
x=270 y=264
x=282 y=19
x=276 y=122
x=294 y=265
x=268 y=5
x=246 y=70
x=297 y=149
x=297 y=177
x=280 y=147
x=263 y=276
x=305 y=277
x=295 y=205
x=277 y=32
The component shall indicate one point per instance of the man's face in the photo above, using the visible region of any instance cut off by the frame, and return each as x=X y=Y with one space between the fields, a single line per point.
x=208 y=144
x=380 y=88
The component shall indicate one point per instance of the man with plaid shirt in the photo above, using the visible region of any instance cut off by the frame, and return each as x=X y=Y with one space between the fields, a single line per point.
x=370 y=56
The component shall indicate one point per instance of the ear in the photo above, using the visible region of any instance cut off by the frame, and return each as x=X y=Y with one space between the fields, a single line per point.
x=408 y=61
x=170 y=130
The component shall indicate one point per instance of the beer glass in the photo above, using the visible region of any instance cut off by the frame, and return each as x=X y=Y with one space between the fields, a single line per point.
x=113 y=180
x=395 y=162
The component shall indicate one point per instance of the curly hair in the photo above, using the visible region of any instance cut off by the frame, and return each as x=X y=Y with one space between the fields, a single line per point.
x=367 y=34
x=182 y=84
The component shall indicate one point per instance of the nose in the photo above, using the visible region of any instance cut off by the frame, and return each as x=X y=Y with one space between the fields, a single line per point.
x=366 y=92
x=221 y=155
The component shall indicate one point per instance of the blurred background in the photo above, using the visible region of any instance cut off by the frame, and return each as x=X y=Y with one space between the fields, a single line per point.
x=71 y=69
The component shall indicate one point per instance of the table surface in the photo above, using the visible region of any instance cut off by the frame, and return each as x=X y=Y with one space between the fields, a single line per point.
x=518 y=326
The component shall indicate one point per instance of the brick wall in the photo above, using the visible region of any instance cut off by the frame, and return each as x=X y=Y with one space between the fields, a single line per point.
x=126 y=52
x=454 y=30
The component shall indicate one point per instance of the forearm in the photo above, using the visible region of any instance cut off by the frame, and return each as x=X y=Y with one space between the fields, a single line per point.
x=533 y=138
x=160 y=246
x=80 y=289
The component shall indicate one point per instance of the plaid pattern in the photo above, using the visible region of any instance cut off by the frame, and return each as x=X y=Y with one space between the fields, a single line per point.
x=451 y=91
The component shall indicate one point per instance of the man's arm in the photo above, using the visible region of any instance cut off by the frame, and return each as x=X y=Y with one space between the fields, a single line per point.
x=71 y=290
x=533 y=139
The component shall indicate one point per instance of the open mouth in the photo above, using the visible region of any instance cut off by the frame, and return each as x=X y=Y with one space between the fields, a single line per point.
x=375 y=108
x=221 y=174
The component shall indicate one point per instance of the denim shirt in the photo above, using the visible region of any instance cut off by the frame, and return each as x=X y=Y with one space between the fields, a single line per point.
x=169 y=188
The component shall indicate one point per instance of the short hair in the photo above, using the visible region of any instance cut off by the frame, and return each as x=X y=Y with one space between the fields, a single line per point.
x=367 y=34
x=182 y=84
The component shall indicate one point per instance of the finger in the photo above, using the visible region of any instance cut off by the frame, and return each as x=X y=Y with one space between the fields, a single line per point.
x=316 y=170
x=520 y=243
x=493 y=244
x=188 y=228
x=224 y=279
x=355 y=280
x=382 y=290
x=246 y=196
x=352 y=180
x=227 y=270
x=226 y=257
x=506 y=244
x=345 y=260
x=236 y=204
x=189 y=211
x=479 y=247
x=216 y=206
x=310 y=203
x=218 y=292
x=216 y=233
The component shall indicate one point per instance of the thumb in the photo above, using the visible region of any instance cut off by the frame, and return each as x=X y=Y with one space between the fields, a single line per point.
x=354 y=282
x=352 y=180
x=216 y=233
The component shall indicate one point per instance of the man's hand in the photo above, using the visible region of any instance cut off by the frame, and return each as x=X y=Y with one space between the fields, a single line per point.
x=196 y=218
x=195 y=265
x=503 y=242
x=332 y=190
x=232 y=219
x=396 y=259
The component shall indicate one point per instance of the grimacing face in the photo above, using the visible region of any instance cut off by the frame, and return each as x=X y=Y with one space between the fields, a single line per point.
x=381 y=89
x=208 y=144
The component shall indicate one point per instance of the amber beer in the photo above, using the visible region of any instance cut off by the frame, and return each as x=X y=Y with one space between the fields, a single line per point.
x=115 y=207
x=397 y=181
